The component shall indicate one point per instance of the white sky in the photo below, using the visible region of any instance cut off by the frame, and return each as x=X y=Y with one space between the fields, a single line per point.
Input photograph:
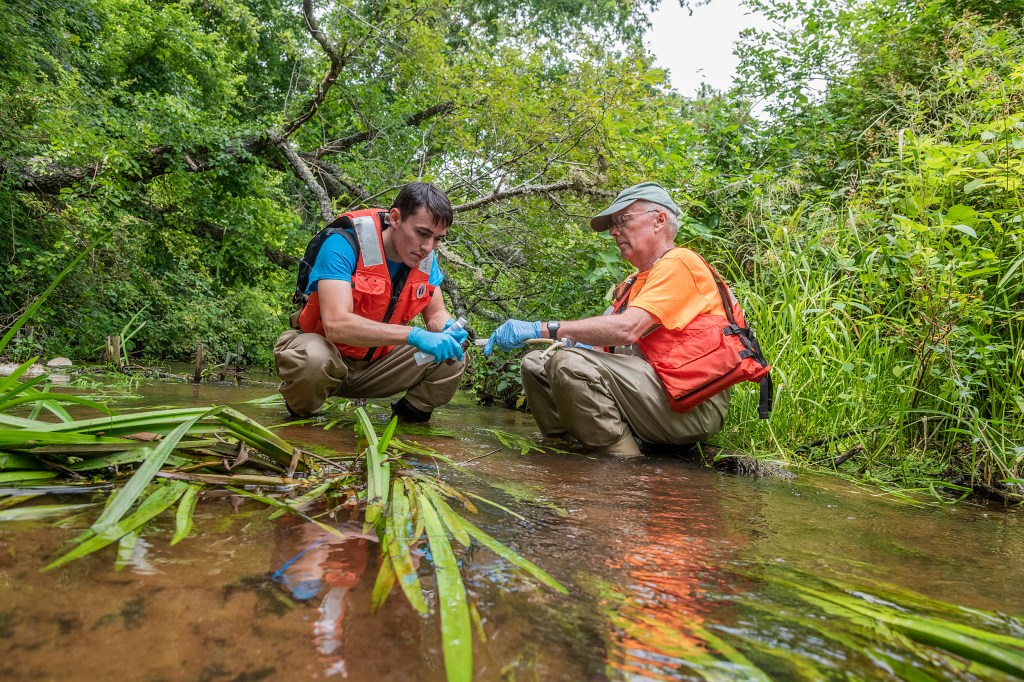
x=699 y=47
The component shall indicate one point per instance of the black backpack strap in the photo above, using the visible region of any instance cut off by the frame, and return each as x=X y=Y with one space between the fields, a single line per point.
x=766 y=392
x=620 y=297
x=342 y=225
x=766 y=397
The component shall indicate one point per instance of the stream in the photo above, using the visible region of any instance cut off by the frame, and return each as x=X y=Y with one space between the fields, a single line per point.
x=675 y=571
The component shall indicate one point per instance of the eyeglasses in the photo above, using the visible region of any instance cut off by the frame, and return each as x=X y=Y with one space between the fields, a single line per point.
x=620 y=221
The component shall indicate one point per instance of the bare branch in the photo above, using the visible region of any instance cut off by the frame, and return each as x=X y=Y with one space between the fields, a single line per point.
x=576 y=182
x=342 y=143
x=39 y=176
x=301 y=169
x=337 y=185
x=338 y=60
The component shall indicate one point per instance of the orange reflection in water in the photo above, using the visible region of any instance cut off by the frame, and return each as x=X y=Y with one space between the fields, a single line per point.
x=658 y=614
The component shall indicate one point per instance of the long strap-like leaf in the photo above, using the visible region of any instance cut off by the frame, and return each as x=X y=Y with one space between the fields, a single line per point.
x=162 y=497
x=256 y=435
x=25 y=439
x=378 y=471
x=32 y=309
x=509 y=555
x=456 y=634
x=126 y=496
x=10 y=386
x=398 y=529
x=126 y=423
x=186 y=507
x=56 y=399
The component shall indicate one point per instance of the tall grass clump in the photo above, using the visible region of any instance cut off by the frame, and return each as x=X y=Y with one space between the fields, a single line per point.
x=893 y=314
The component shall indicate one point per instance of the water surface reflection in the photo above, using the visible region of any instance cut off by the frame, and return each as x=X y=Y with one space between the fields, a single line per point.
x=675 y=572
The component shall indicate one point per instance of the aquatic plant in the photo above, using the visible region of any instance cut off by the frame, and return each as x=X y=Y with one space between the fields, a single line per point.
x=176 y=454
x=905 y=634
x=796 y=625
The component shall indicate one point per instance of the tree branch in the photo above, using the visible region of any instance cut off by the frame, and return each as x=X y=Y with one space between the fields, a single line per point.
x=341 y=185
x=577 y=182
x=301 y=169
x=40 y=176
x=338 y=61
x=342 y=143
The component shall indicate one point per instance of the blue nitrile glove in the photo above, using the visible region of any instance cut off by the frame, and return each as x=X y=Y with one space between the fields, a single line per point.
x=511 y=334
x=442 y=346
x=459 y=334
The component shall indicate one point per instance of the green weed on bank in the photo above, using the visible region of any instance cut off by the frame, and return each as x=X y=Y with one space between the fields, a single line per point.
x=894 y=318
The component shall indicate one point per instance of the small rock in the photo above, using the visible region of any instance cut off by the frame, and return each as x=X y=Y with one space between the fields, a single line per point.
x=8 y=368
x=59 y=362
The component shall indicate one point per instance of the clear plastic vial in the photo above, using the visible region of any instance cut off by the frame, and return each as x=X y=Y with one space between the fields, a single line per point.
x=425 y=358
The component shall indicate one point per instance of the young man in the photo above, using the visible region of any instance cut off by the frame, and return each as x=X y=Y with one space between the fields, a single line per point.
x=606 y=400
x=367 y=283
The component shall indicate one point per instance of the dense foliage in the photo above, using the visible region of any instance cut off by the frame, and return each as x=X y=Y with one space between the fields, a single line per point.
x=861 y=185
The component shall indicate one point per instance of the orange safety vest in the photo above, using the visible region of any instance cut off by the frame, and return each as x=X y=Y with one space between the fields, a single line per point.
x=374 y=295
x=707 y=356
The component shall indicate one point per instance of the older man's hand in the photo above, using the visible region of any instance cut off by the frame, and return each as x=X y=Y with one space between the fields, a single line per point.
x=511 y=334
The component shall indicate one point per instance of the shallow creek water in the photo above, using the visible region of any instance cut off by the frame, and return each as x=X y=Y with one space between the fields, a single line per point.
x=675 y=572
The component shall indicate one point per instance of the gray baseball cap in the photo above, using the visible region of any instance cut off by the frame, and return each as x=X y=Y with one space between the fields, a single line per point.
x=645 y=191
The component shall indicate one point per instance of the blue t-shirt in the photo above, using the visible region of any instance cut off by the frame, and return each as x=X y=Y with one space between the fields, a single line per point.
x=337 y=260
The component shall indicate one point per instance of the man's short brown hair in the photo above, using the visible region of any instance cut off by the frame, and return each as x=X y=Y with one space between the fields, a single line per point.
x=424 y=194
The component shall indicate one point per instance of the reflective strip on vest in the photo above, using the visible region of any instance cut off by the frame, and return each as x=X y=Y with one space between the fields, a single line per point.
x=427 y=263
x=369 y=241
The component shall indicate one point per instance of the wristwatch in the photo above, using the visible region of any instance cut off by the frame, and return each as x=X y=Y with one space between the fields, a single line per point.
x=553 y=329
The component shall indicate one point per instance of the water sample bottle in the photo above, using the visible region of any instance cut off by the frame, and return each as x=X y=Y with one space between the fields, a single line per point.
x=424 y=358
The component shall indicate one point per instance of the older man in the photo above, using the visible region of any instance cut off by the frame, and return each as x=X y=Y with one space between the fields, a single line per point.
x=608 y=400
x=363 y=279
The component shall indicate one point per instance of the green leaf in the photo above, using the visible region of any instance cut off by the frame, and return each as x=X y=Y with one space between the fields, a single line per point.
x=26 y=439
x=959 y=213
x=186 y=508
x=291 y=510
x=36 y=304
x=389 y=432
x=13 y=461
x=22 y=476
x=255 y=434
x=512 y=557
x=378 y=471
x=41 y=511
x=1009 y=272
x=969 y=231
x=456 y=633
x=124 y=498
x=397 y=537
x=56 y=399
x=303 y=499
x=446 y=513
x=158 y=422
x=385 y=581
x=163 y=495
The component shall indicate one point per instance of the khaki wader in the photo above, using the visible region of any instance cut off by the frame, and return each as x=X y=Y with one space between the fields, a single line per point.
x=603 y=400
x=312 y=369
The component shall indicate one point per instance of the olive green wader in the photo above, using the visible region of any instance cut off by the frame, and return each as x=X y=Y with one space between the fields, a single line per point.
x=603 y=400
x=312 y=369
